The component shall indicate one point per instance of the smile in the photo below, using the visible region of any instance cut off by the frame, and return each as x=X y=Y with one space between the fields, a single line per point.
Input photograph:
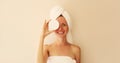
x=60 y=32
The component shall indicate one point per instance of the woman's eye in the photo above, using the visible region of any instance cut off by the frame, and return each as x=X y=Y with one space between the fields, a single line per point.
x=64 y=24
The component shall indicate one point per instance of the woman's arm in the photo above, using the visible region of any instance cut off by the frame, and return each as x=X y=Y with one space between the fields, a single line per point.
x=77 y=52
x=42 y=50
x=78 y=55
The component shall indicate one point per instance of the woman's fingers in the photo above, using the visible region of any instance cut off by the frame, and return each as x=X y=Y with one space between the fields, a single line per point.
x=47 y=32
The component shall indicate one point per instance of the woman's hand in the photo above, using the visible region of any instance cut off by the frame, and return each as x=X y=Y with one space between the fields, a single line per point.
x=45 y=30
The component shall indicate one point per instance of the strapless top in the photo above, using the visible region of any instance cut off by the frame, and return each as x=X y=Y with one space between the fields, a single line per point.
x=60 y=59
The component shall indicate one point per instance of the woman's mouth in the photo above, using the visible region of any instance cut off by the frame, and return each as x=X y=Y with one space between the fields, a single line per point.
x=60 y=32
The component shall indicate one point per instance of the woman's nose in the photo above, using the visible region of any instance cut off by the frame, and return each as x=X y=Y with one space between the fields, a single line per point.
x=60 y=28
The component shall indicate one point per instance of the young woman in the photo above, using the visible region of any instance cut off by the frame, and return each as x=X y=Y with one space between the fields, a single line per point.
x=60 y=51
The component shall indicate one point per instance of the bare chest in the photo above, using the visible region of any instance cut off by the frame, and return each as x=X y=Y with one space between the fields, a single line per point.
x=61 y=51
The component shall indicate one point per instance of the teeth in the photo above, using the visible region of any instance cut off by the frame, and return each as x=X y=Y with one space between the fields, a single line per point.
x=60 y=32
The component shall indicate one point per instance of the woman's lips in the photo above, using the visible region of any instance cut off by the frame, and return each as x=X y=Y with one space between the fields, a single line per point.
x=60 y=32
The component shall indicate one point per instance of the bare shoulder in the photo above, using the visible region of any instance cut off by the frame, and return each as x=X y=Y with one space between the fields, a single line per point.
x=46 y=47
x=75 y=48
x=77 y=52
x=46 y=50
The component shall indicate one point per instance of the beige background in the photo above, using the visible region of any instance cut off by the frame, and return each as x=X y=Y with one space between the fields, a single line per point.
x=96 y=28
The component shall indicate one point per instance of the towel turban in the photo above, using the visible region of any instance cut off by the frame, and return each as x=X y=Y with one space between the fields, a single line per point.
x=55 y=13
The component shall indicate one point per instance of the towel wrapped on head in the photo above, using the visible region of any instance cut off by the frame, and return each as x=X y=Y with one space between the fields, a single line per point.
x=55 y=13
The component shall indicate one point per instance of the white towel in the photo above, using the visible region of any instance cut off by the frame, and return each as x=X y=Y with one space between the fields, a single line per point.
x=56 y=12
x=60 y=59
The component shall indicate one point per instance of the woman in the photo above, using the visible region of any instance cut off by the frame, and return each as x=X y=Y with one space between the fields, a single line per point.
x=61 y=50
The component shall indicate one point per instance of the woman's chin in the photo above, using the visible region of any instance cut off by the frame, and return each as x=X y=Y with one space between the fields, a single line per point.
x=60 y=35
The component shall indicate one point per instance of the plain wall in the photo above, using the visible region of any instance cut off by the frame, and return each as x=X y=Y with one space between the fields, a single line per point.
x=96 y=28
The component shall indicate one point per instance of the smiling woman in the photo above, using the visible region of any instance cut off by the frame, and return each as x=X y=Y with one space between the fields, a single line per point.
x=61 y=50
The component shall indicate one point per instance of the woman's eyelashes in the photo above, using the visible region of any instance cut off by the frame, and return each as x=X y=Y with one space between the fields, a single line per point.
x=63 y=24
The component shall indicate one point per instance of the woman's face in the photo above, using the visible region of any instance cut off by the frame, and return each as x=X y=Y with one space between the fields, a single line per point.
x=63 y=27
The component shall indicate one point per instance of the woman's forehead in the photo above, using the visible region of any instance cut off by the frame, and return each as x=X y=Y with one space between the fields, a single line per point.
x=61 y=19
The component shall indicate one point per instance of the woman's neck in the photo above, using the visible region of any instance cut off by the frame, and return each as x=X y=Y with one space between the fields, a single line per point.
x=61 y=41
